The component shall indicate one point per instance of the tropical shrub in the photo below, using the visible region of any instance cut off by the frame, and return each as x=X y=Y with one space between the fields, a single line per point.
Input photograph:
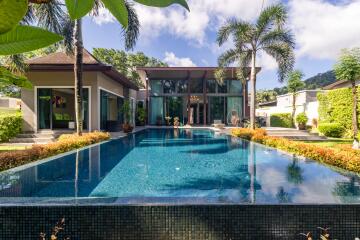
x=10 y=125
x=335 y=106
x=65 y=143
x=301 y=118
x=256 y=135
x=346 y=158
x=331 y=129
x=281 y=120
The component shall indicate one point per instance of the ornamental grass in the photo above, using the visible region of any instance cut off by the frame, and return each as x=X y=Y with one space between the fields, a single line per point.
x=64 y=144
x=345 y=157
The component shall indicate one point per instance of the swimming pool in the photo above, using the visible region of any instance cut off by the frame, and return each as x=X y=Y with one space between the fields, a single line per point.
x=178 y=166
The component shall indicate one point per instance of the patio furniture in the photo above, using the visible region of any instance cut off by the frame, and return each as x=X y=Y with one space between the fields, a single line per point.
x=218 y=124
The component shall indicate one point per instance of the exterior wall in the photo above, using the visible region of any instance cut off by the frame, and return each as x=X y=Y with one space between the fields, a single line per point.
x=55 y=79
x=306 y=101
x=7 y=102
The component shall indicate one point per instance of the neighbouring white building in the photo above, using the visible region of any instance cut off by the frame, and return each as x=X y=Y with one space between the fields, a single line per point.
x=306 y=101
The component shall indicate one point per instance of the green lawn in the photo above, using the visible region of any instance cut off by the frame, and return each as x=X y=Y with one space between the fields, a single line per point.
x=11 y=148
x=332 y=142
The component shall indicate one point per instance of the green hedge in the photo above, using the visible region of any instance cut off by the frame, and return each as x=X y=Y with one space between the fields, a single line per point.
x=281 y=120
x=331 y=129
x=10 y=125
x=335 y=106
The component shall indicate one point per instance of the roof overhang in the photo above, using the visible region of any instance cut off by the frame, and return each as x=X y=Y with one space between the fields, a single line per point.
x=154 y=73
x=109 y=71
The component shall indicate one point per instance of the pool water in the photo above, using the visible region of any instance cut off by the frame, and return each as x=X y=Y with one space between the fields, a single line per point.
x=178 y=166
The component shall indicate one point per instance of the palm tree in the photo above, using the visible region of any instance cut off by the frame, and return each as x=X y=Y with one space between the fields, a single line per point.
x=268 y=35
x=131 y=33
x=294 y=84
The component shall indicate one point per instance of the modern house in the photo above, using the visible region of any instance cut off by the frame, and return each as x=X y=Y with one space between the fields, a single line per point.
x=306 y=101
x=191 y=94
x=340 y=84
x=50 y=104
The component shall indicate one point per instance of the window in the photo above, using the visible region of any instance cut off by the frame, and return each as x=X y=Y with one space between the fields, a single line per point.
x=222 y=88
x=235 y=86
x=156 y=110
x=156 y=87
x=169 y=86
x=211 y=86
x=196 y=86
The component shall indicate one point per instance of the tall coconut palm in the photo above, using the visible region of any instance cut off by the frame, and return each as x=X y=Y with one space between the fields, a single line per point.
x=269 y=35
x=131 y=33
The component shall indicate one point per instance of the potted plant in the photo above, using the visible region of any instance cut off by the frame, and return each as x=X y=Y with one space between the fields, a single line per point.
x=125 y=109
x=168 y=118
x=176 y=122
x=141 y=116
x=301 y=120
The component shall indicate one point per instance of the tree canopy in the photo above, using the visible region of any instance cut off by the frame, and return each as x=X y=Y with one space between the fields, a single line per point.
x=294 y=82
x=126 y=63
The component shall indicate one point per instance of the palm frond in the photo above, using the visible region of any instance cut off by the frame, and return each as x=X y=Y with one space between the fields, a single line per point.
x=228 y=57
x=272 y=16
x=131 y=33
x=68 y=32
x=277 y=35
x=14 y=64
x=240 y=29
x=284 y=56
x=49 y=16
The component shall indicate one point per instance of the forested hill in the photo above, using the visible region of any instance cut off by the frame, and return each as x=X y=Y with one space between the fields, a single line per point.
x=318 y=81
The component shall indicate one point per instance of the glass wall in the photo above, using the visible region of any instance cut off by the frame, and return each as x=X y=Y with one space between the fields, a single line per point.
x=170 y=98
x=56 y=108
x=156 y=111
x=110 y=113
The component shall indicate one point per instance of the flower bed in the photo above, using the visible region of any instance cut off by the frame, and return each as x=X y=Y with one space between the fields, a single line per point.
x=65 y=143
x=345 y=158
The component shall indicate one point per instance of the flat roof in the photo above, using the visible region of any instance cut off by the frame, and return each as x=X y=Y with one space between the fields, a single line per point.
x=188 y=72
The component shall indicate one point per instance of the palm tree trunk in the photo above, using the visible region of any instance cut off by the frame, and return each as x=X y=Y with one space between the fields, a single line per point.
x=293 y=109
x=355 y=115
x=78 y=71
x=253 y=90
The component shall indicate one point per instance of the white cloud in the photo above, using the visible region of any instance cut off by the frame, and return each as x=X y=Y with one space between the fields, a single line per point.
x=322 y=29
x=174 y=61
x=204 y=15
x=103 y=17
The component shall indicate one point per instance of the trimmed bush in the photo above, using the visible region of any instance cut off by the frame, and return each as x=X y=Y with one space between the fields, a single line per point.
x=65 y=143
x=301 y=118
x=335 y=106
x=346 y=158
x=281 y=120
x=256 y=135
x=331 y=129
x=10 y=125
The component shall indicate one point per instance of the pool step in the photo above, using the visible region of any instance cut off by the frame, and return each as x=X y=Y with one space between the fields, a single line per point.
x=294 y=134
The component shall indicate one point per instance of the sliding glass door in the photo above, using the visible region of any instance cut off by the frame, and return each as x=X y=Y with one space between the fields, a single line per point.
x=56 y=108
x=44 y=108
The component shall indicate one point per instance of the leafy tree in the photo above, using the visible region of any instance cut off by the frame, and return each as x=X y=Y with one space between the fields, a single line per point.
x=294 y=84
x=265 y=96
x=348 y=68
x=269 y=35
x=126 y=63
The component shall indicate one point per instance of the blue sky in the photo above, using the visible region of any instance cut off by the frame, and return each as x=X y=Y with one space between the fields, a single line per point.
x=321 y=28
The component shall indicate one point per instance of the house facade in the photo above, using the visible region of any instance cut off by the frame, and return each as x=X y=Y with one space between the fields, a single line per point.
x=306 y=102
x=193 y=95
x=50 y=104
